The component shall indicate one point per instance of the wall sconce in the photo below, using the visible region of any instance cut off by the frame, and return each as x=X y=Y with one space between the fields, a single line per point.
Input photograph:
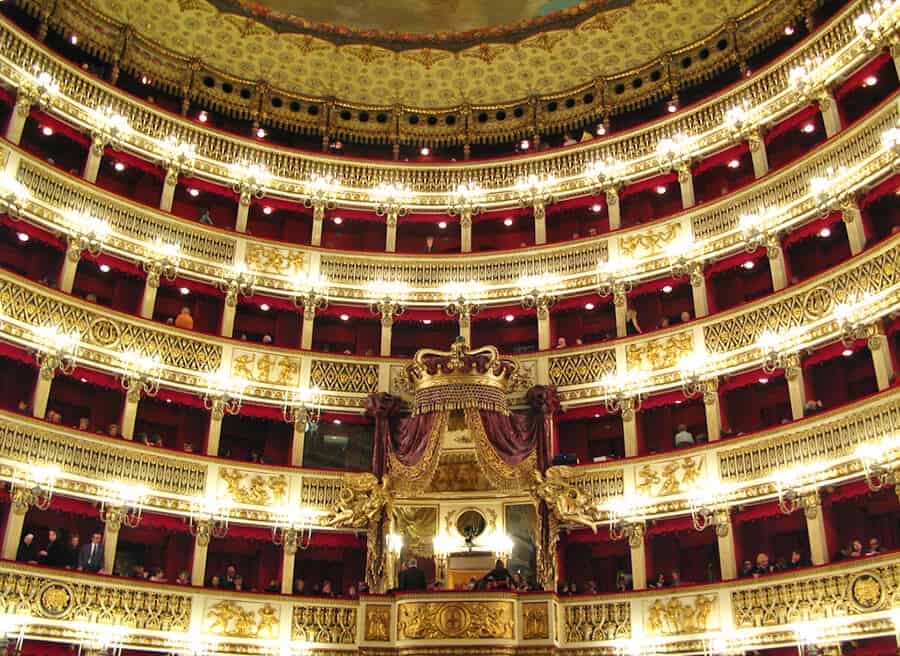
x=140 y=375
x=622 y=394
x=394 y=543
x=777 y=353
x=236 y=283
x=390 y=199
x=848 y=321
x=13 y=196
x=12 y=633
x=710 y=509
x=460 y=299
x=320 y=192
x=102 y=639
x=755 y=231
x=612 y=280
x=56 y=350
x=33 y=486
x=537 y=293
x=88 y=234
x=110 y=129
x=38 y=89
x=250 y=180
x=122 y=504
x=311 y=292
x=163 y=262
x=294 y=528
x=624 y=520
x=301 y=407
x=682 y=263
x=179 y=159
x=465 y=202
x=389 y=295
x=876 y=461
x=223 y=394
x=803 y=82
x=824 y=189
x=535 y=191
x=673 y=153
x=501 y=545
x=694 y=380
x=605 y=175
x=793 y=492
x=208 y=518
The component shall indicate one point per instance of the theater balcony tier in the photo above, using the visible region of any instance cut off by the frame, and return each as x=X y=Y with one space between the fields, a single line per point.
x=841 y=179
x=769 y=96
x=824 y=607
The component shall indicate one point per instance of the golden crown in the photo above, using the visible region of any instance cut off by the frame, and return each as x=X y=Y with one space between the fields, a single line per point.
x=460 y=378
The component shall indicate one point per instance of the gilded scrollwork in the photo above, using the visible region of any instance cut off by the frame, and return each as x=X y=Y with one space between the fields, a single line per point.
x=559 y=490
x=662 y=353
x=596 y=622
x=331 y=625
x=649 y=242
x=455 y=620
x=234 y=620
x=360 y=502
x=266 y=368
x=274 y=260
x=680 y=615
x=255 y=489
x=378 y=623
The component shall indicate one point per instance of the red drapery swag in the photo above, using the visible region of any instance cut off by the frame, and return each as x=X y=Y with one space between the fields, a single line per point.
x=512 y=436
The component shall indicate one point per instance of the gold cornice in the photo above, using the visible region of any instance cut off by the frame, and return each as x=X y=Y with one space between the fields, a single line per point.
x=836 y=37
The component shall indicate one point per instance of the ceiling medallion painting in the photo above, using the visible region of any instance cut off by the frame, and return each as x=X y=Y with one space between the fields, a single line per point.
x=612 y=38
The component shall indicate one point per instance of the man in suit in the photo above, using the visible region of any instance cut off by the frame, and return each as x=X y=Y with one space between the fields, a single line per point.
x=54 y=554
x=414 y=578
x=90 y=558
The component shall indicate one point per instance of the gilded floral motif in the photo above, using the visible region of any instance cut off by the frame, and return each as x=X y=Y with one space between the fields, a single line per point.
x=254 y=489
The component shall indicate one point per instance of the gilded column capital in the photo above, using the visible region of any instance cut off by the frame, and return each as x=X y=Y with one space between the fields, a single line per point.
x=635 y=532
x=711 y=391
x=812 y=504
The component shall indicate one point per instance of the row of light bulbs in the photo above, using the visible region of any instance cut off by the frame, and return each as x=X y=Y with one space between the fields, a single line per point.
x=110 y=127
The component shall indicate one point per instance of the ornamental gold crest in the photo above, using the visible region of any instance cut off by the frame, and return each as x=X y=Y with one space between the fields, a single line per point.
x=55 y=600
x=867 y=592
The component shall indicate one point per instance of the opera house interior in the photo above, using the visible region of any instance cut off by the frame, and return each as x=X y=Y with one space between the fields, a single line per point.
x=417 y=328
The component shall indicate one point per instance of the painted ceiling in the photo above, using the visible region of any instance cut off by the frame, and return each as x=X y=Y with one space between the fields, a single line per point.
x=606 y=42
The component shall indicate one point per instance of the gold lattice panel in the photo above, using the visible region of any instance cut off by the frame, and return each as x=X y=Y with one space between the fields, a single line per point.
x=336 y=376
x=320 y=491
x=100 y=462
x=48 y=598
x=594 y=622
x=602 y=484
x=333 y=625
x=581 y=368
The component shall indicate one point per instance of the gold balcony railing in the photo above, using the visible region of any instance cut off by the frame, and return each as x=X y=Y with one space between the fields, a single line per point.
x=823 y=606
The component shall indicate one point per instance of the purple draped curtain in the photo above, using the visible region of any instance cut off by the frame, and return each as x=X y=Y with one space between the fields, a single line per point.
x=512 y=436
x=407 y=438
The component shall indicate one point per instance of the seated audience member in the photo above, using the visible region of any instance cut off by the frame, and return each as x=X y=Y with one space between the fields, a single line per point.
x=561 y=343
x=184 y=320
x=54 y=417
x=684 y=317
x=139 y=572
x=72 y=550
x=746 y=570
x=855 y=549
x=158 y=576
x=352 y=592
x=797 y=561
x=27 y=552
x=658 y=582
x=812 y=407
x=327 y=589
x=663 y=323
x=91 y=556
x=273 y=586
x=183 y=578
x=84 y=424
x=23 y=408
x=267 y=339
x=205 y=218
x=54 y=554
x=875 y=547
x=215 y=582
x=675 y=580
x=632 y=327
x=362 y=587
x=763 y=566
x=113 y=430
x=624 y=581
x=500 y=575
x=299 y=586
x=683 y=437
x=518 y=583
x=472 y=584
x=231 y=574
x=239 y=584
x=188 y=447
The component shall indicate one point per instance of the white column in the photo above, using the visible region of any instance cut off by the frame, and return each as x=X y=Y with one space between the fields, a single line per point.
x=853 y=221
x=95 y=156
x=69 y=268
x=778 y=268
x=881 y=357
x=699 y=293
x=540 y=223
x=895 y=55
x=148 y=300
x=830 y=115
x=15 y=522
x=759 y=155
x=168 y=191
x=198 y=560
x=387 y=329
x=110 y=544
x=637 y=546
x=621 y=309
x=543 y=325
x=318 y=222
x=42 y=392
x=17 y=122
x=129 y=414
x=465 y=326
x=796 y=386
x=727 y=551
x=287 y=569
x=298 y=442
x=686 y=184
x=243 y=211
x=465 y=230
x=815 y=528
x=629 y=429
x=713 y=411
x=215 y=430
x=614 y=208
x=228 y=313
x=306 y=334
x=390 y=241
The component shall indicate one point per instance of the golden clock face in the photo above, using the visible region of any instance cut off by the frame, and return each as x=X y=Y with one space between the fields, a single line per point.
x=471 y=524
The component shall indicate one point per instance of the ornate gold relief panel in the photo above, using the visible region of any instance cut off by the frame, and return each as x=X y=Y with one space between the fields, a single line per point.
x=649 y=242
x=662 y=353
x=596 y=622
x=378 y=623
x=138 y=608
x=459 y=472
x=253 y=488
x=244 y=620
x=681 y=615
x=669 y=477
x=337 y=376
x=265 y=368
x=332 y=625
x=274 y=260
x=536 y=621
x=581 y=368
x=455 y=620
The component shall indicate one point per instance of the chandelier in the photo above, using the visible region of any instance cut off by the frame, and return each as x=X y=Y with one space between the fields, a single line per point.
x=465 y=202
x=223 y=394
x=208 y=518
x=622 y=394
x=163 y=263
x=109 y=129
x=605 y=174
x=389 y=297
x=33 y=486
x=755 y=231
x=848 y=320
x=180 y=158
x=461 y=297
x=13 y=195
x=12 y=632
x=538 y=292
x=320 y=192
x=39 y=88
x=710 y=509
x=682 y=263
x=673 y=153
x=624 y=518
x=390 y=200
x=294 y=528
x=140 y=374
x=250 y=180
x=236 y=283
x=56 y=350
x=612 y=280
x=88 y=234
x=793 y=490
x=692 y=372
x=311 y=292
x=876 y=460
